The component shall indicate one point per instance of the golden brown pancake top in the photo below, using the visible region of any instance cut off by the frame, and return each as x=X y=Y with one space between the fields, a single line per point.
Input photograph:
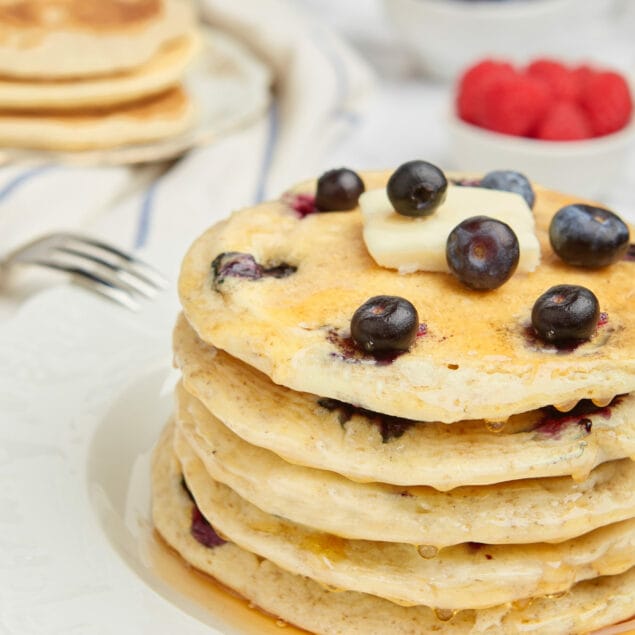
x=478 y=357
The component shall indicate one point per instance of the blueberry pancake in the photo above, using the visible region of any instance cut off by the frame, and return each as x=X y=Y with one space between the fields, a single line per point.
x=589 y=605
x=518 y=512
x=458 y=577
x=407 y=406
x=322 y=433
x=278 y=288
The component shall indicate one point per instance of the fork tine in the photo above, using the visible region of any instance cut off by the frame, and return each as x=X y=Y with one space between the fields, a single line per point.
x=92 y=264
x=72 y=263
x=142 y=268
x=135 y=280
x=93 y=282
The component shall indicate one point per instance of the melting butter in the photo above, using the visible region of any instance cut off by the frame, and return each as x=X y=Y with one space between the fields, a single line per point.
x=411 y=244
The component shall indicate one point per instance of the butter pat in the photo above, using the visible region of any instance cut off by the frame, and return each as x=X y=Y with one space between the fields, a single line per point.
x=413 y=244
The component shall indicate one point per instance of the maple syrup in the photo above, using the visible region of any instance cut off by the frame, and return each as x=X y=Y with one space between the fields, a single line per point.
x=215 y=599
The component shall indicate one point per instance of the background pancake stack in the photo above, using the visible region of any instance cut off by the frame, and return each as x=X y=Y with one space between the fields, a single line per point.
x=470 y=504
x=88 y=74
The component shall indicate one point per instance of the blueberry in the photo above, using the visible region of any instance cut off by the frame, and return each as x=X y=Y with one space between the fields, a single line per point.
x=385 y=323
x=565 y=313
x=338 y=190
x=510 y=181
x=417 y=188
x=235 y=264
x=202 y=531
x=588 y=236
x=280 y=271
x=482 y=252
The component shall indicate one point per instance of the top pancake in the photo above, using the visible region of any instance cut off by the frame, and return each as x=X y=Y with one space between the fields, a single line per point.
x=48 y=39
x=476 y=359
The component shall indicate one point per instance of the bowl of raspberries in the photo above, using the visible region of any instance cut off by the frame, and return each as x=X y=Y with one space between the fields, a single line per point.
x=567 y=126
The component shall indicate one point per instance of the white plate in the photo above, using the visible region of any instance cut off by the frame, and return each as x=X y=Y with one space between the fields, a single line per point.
x=85 y=388
x=230 y=87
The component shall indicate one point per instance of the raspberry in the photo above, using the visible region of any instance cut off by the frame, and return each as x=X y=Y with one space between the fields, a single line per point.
x=474 y=83
x=564 y=121
x=607 y=101
x=561 y=81
x=581 y=75
x=513 y=105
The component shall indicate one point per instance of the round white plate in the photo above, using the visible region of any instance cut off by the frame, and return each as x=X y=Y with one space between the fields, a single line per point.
x=229 y=86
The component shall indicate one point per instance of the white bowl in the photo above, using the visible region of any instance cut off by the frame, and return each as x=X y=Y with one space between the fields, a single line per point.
x=448 y=35
x=587 y=168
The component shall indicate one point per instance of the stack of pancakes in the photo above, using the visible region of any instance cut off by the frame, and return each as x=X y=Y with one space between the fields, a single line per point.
x=86 y=74
x=481 y=482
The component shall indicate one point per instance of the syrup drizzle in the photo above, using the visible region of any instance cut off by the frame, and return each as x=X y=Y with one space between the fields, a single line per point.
x=211 y=599
x=554 y=423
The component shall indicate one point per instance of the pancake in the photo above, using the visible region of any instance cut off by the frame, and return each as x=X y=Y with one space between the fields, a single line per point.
x=538 y=510
x=459 y=577
x=161 y=72
x=475 y=359
x=301 y=601
x=157 y=117
x=49 y=39
x=365 y=447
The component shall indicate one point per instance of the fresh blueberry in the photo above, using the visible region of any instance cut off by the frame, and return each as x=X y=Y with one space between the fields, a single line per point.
x=385 y=323
x=565 y=313
x=588 y=236
x=482 y=252
x=338 y=190
x=510 y=181
x=417 y=188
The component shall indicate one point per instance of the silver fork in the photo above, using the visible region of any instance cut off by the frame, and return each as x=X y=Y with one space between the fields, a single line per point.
x=92 y=264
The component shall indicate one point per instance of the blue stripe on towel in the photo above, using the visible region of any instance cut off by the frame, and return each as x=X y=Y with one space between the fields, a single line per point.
x=145 y=217
x=267 y=155
x=13 y=184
